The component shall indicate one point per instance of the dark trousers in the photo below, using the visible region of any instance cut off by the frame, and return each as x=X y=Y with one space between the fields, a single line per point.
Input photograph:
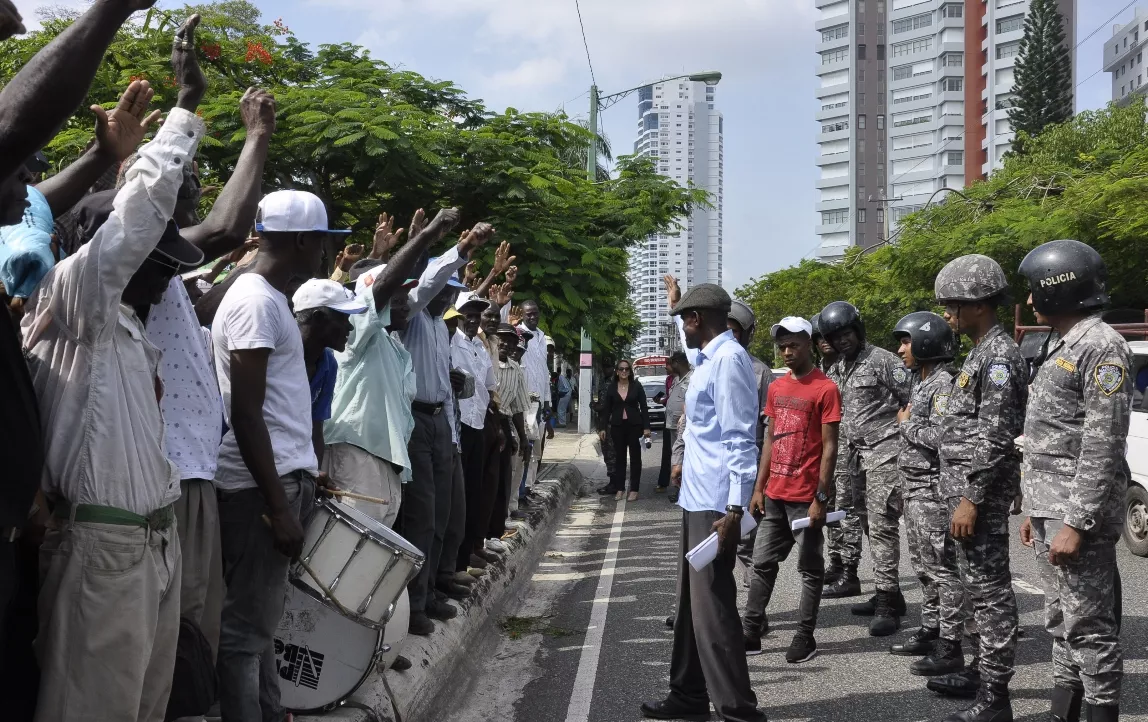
x=492 y=486
x=627 y=437
x=708 y=661
x=473 y=465
x=425 y=512
x=456 y=525
x=497 y=525
x=19 y=590
x=667 y=451
x=774 y=542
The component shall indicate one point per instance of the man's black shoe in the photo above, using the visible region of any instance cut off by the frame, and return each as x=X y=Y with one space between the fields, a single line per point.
x=673 y=494
x=833 y=572
x=441 y=610
x=401 y=664
x=453 y=590
x=420 y=624
x=989 y=707
x=1065 y=705
x=607 y=490
x=667 y=709
x=884 y=621
x=802 y=649
x=1097 y=713
x=918 y=644
x=867 y=608
x=946 y=658
x=670 y=621
x=847 y=585
x=959 y=684
x=752 y=645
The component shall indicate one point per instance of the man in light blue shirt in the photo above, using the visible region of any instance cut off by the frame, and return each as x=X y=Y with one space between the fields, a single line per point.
x=719 y=471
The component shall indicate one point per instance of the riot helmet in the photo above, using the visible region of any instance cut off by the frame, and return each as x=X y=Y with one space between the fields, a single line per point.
x=971 y=278
x=930 y=337
x=839 y=316
x=742 y=313
x=1065 y=276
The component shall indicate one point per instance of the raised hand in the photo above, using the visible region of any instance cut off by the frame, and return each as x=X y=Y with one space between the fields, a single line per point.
x=475 y=237
x=673 y=291
x=349 y=256
x=257 y=109
x=470 y=275
x=501 y=294
x=188 y=75
x=502 y=258
x=119 y=132
x=515 y=315
x=511 y=275
x=385 y=238
x=419 y=222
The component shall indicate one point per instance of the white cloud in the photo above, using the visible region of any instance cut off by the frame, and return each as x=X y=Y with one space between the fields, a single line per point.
x=530 y=74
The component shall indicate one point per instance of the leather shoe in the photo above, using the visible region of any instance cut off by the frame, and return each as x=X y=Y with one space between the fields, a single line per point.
x=478 y=562
x=867 y=608
x=454 y=590
x=1065 y=705
x=959 y=684
x=990 y=706
x=945 y=659
x=846 y=585
x=668 y=709
x=441 y=610
x=420 y=624
x=401 y=664
x=919 y=644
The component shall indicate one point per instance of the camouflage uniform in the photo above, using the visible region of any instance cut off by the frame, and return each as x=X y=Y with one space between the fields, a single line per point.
x=1075 y=473
x=932 y=551
x=843 y=542
x=979 y=462
x=874 y=387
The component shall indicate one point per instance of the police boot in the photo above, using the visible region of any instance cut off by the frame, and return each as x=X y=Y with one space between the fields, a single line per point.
x=885 y=621
x=1065 y=704
x=1097 y=713
x=991 y=705
x=959 y=684
x=833 y=572
x=918 y=645
x=867 y=608
x=847 y=585
x=945 y=658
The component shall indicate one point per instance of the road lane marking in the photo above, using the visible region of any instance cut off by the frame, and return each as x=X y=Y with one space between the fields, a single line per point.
x=583 y=693
x=1026 y=587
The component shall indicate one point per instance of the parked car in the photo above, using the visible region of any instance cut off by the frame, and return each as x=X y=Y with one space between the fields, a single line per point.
x=655 y=386
x=1136 y=500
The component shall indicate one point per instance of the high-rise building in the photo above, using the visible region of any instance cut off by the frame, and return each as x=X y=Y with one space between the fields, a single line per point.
x=1124 y=58
x=680 y=128
x=907 y=109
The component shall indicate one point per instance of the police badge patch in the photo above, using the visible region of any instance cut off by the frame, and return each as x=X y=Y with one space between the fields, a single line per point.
x=999 y=374
x=963 y=380
x=1109 y=377
x=900 y=374
x=941 y=404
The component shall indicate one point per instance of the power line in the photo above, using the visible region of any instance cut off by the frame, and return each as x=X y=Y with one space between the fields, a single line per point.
x=587 y=45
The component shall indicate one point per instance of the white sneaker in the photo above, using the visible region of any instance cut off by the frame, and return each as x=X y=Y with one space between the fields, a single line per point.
x=496 y=546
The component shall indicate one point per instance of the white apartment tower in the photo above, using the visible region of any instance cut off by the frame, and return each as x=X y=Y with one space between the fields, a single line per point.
x=680 y=128
x=1124 y=58
x=914 y=98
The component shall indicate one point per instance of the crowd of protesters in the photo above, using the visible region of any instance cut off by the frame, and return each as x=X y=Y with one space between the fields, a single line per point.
x=179 y=391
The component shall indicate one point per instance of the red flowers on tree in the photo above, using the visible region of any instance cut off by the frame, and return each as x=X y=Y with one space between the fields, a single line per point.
x=256 y=51
x=211 y=51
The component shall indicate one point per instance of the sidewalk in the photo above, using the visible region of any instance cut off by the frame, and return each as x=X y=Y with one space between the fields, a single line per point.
x=438 y=660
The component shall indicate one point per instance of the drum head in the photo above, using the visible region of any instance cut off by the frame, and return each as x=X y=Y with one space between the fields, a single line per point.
x=321 y=656
x=396 y=630
x=387 y=536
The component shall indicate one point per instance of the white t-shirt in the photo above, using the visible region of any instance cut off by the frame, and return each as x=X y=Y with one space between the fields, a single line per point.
x=192 y=409
x=255 y=315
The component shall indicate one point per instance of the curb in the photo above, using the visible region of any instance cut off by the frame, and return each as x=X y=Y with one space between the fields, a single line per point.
x=412 y=695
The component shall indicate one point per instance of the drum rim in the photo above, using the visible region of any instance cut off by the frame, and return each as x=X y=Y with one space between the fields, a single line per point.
x=348 y=514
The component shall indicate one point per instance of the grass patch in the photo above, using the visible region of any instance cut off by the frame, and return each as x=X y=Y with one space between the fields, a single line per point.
x=518 y=627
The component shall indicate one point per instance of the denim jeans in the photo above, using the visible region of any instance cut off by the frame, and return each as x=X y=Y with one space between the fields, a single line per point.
x=774 y=541
x=256 y=578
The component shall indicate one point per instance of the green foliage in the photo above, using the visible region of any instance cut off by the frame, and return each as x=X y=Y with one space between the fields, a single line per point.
x=1043 y=68
x=366 y=138
x=1086 y=179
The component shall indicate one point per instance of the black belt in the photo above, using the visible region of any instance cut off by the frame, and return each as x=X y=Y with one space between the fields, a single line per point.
x=425 y=408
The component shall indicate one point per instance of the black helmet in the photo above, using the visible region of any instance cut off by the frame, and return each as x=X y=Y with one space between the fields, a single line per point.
x=930 y=335
x=1065 y=276
x=839 y=316
x=815 y=322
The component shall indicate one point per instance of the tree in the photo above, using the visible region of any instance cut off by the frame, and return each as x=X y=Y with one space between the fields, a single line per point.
x=1043 y=69
x=1085 y=179
x=366 y=137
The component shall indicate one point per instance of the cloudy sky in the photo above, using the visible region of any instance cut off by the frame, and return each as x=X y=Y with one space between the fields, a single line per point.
x=529 y=54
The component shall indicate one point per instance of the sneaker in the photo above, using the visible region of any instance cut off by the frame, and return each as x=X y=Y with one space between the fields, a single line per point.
x=441 y=610
x=752 y=646
x=420 y=624
x=496 y=546
x=802 y=649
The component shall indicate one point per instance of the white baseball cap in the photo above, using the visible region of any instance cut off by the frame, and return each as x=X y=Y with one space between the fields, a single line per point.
x=293 y=212
x=467 y=298
x=792 y=324
x=324 y=293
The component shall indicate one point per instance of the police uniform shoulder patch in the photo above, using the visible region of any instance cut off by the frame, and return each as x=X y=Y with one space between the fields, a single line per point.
x=941 y=404
x=1109 y=377
x=963 y=380
x=900 y=374
x=999 y=373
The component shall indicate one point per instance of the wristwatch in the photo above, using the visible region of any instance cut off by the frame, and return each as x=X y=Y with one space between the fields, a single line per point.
x=821 y=497
x=734 y=509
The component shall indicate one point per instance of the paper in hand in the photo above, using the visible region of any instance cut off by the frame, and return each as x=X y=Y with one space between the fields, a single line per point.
x=703 y=554
x=829 y=519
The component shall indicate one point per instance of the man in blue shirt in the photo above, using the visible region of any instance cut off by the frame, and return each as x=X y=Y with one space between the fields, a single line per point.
x=719 y=471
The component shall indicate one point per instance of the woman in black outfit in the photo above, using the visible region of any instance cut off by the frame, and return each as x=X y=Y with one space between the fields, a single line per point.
x=626 y=418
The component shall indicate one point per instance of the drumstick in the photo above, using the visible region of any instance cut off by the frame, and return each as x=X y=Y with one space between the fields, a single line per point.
x=353 y=495
x=307 y=568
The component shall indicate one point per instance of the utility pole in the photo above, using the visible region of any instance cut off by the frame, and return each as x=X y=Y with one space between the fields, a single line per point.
x=586 y=356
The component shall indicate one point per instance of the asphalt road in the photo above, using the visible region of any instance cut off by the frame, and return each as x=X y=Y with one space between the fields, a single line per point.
x=588 y=641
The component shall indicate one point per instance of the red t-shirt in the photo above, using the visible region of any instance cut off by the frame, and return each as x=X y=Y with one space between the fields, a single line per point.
x=798 y=408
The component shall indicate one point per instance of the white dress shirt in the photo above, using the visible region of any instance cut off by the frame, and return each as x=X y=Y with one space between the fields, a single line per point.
x=534 y=364
x=469 y=355
x=96 y=375
x=720 y=464
x=427 y=338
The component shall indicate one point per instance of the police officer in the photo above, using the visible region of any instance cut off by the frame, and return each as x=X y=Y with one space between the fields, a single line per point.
x=843 y=540
x=1075 y=475
x=742 y=323
x=980 y=474
x=874 y=387
x=928 y=345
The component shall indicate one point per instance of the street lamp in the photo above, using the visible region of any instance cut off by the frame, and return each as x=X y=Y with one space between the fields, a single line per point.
x=602 y=102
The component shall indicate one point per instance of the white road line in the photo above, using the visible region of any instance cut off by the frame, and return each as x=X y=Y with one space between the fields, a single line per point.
x=1026 y=587
x=583 y=692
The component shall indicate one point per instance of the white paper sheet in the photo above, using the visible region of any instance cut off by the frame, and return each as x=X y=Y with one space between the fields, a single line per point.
x=703 y=554
x=829 y=519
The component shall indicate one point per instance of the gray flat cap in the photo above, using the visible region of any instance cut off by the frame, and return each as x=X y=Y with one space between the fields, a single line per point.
x=704 y=297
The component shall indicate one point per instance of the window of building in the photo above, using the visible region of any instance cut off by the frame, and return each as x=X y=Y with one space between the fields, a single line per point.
x=912 y=46
x=880 y=122
x=860 y=6
x=915 y=22
x=1015 y=23
x=861 y=192
x=860 y=215
x=881 y=53
x=837 y=32
x=860 y=170
x=953 y=60
x=1007 y=50
x=908 y=95
x=955 y=157
x=861 y=99
x=952 y=10
x=860 y=29
x=861 y=239
x=835 y=127
x=860 y=145
x=880 y=215
x=953 y=85
x=861 y=52
x=829 y=218
x=861 y=122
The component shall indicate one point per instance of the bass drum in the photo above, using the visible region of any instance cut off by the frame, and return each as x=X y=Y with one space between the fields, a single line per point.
x=396 y=630
x=321 y=656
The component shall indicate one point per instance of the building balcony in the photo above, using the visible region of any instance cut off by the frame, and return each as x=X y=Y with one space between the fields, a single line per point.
x=842 y=157
x=834 y=182
x=841 y=204
x=823 y=115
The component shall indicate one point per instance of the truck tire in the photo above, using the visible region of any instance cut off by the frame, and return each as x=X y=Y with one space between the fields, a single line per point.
x=1136 y=520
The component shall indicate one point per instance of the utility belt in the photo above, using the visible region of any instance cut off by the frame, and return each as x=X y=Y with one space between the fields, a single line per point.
x=159 y=520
